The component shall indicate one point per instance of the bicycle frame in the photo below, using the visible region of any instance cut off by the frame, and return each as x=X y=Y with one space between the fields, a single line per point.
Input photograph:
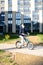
x=26 y=40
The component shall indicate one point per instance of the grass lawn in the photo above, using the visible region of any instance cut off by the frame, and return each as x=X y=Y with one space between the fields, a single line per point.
x=25 y=59
x=36 y=38
x=39 y=35
x=7 y=38
x=12 y=38
x=8 y=58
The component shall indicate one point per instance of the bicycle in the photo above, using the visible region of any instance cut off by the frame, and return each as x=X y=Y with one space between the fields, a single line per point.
x=26 y=43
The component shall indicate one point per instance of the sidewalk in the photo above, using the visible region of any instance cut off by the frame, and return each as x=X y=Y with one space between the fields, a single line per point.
x=7 y=46
x=38 y=50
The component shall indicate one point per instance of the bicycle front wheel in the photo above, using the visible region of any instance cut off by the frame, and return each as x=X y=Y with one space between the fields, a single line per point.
x=18 y=44
x=30 y=46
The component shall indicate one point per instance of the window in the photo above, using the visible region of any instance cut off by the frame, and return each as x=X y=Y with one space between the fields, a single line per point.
x=20 y=9
x=26 y=17
x=2 y=2
x=9 y=15
x=26 y=2
x=26 y=21
x=9 y=1
x=35 y=16
x=2 y=14
x=18 y=22
x=42 y=0
x=26 y=9
x=18 y=15
x=3 y=21
x=37 y=0
x=10 y=22
x=20 y=2
x=2 y=8
x=10 y=8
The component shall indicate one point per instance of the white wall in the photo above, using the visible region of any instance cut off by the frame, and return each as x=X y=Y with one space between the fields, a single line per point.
x=40 y=16
x=6 y=5
x=32 y=7
x=14 y=5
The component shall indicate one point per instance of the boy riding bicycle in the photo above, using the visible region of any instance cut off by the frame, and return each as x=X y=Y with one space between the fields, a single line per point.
x=21 y=32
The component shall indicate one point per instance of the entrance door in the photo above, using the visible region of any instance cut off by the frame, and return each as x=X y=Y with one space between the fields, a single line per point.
x=9 y=28
x=1 y=29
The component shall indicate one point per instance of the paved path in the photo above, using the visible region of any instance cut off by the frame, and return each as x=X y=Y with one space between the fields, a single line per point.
x=38 y=50
x=7 y=46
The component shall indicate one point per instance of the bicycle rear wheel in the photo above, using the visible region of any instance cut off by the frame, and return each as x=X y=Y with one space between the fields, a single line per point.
x=30 y=46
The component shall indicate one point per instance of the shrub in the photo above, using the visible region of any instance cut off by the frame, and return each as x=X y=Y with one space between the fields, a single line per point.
x=3 y=39
x=7 y=37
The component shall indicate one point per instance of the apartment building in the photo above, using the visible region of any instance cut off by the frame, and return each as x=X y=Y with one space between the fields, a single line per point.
x=15 y=12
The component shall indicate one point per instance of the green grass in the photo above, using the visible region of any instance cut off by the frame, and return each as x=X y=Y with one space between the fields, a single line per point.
x=2 y=51
x=7 y=58
x=40 y=35
x=12 y=37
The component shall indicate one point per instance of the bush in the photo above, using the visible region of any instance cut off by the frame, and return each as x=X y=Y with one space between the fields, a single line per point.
x=3 y=39
x=7 y=37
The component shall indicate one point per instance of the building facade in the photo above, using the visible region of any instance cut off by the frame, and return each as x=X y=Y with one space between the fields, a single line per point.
x=15 y=12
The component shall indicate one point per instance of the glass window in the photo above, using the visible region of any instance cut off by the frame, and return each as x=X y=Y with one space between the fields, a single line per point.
x=18 y=22
x=3 y=21
x=42 y=0
x=9 y=1
x=20 y=2
x=18 y=15
x=26 y=16
x=10 y=22
x=37 y=0
x=2 y=14
x=26 y=9
x=2 y=8
x=10 y=15
x=10 y=8
x=35 y=16
x=2 y=2
x=20 y=8
x=26 y=21
x=26 y=2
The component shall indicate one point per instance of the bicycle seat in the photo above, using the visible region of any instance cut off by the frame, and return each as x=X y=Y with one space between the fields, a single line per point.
x=24 y=35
